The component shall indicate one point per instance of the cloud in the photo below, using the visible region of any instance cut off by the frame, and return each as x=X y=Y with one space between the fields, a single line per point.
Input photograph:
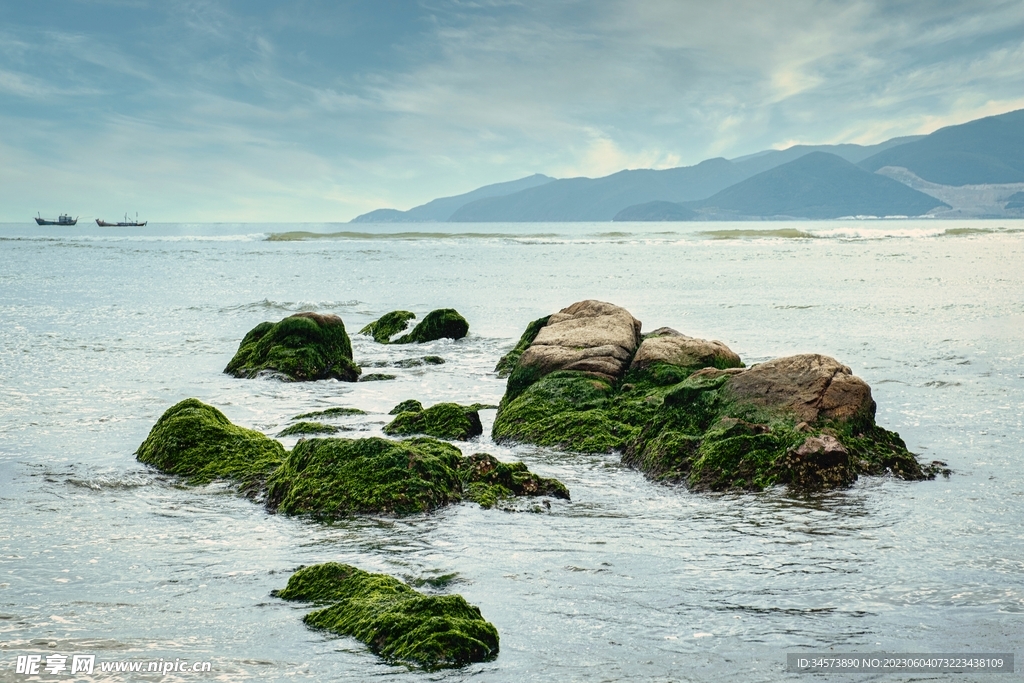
x=203 y=108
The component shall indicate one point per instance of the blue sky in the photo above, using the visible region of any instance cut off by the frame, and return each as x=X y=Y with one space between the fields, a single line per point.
x=216 y=110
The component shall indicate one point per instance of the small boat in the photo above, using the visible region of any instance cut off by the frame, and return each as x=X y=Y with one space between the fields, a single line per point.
x=64 y=219
x=122 y=224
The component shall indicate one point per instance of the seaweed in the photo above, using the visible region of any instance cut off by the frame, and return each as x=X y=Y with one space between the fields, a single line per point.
x=393 y=620
x=197 y=441
x=443 y=420
x=439 y=324
x=388 y=325
x=302 y=347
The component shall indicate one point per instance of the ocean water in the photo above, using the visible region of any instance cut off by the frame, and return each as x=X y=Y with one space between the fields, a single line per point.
x=104 y=329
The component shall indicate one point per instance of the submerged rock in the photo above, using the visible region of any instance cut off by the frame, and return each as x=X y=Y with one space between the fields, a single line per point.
x=388 y=325
x=198 y=442
x=310 y=428
x=329 y=477
x=395 y=621
x=443 y=323
x=685 y=410
x=489 y=481
x=377 y=377
x=331 y=412
x=302 y=347
x=443 y=420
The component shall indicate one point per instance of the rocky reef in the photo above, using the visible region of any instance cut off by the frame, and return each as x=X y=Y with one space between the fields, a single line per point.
x=395 y=621
x=686 y=410
x=197 y=441
x=328 y=478
x=302 y=347
x=443 y=323
x=443 y=420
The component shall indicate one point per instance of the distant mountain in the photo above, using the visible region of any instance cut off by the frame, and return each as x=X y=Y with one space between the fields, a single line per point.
x=988 y=152
x=752 y=164
x=656 y=211
x=984 y=151
x=817 y=185
x=439 y=210
x=1015 y=201
x=599 y=199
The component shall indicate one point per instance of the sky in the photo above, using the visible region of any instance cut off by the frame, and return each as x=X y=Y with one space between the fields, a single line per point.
x=309 y=111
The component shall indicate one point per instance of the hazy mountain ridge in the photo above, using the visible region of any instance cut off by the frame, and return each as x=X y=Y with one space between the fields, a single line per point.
x=599 y=199
x=970 y=169
x=439 y=210
x=980 y=152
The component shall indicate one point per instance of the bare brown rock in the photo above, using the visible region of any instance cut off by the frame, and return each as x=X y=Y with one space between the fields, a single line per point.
x=589 y=336
x=665 y=345
x=811 y=386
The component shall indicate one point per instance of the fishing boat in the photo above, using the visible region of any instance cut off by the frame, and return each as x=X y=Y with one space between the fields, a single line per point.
x=63 y=219
x=122 y=224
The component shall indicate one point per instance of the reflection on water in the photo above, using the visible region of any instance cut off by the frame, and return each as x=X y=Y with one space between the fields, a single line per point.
x=631 y=579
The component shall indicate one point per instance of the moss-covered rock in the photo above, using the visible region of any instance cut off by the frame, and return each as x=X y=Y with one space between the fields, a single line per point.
x=443 y=420
x=408 y=406
x=309 y=428
x=508 y=362
x=565 y=409
x=388 y=325
x=417 y=362
x=487 y=481
x=331 y=412
x=395 y=621
x=328 y=478
x=302 y=347
x=687 y=411
x=377 y=377
x=444 y=323
x=197 y=441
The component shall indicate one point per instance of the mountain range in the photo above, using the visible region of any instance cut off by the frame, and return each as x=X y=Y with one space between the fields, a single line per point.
x=971 y=169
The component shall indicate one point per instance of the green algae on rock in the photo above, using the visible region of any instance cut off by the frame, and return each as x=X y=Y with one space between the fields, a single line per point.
x=331 y=412
x=685 y=410
x=302 y=347
x=443 y=420
x=417 y=362
x=388 y=325
x=377 y=377
x=395 y=621
x=407 y=406
x=444 y=323
x=488 y=481
x=309 y=428
x=197 y=441
x=327 y=477
x=439 y=324
x=508 y=362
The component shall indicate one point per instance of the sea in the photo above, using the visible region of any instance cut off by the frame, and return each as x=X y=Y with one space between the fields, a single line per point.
x=103 y=329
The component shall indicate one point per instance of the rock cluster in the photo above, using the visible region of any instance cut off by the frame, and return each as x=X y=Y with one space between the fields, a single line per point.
x=686 y=410
x=315 y=346
x=328 y=478
x=443 y=323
